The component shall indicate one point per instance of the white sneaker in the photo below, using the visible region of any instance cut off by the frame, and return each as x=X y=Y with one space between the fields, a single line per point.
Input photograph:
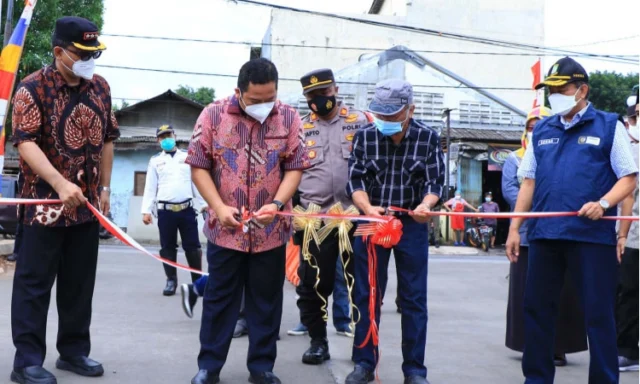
x=628 y=365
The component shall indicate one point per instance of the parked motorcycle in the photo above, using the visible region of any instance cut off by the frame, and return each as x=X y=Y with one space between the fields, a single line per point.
x=479 y=235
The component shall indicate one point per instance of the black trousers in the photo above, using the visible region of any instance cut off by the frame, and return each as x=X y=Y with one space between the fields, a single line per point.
x=627 y=305
x=325 y=257
x=262 y=276
x=69 y=254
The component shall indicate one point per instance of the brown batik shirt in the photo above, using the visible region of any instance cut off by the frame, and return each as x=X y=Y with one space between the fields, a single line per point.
x=71 y=126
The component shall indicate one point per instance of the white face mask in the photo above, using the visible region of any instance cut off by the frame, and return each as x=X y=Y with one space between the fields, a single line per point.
x=563 y=104
x=259 y=112
x=84 y=69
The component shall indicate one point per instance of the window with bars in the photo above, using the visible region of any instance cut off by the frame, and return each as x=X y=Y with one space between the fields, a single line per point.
x=480 y=112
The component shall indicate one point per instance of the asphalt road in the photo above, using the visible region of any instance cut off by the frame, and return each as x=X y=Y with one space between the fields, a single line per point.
x=142 y=337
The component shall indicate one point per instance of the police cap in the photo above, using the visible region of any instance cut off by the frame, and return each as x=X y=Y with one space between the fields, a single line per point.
x=564 y=71
x=318 y=79
x=80 y=32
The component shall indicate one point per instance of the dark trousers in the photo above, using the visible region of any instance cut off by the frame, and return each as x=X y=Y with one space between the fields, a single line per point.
x=262 y=276
x=186 y=222
x=412 y=256
x=19 y=231
x=627 y=305
x=324 y=257
x=571 y=335
x=71 y=255
x=594 y=270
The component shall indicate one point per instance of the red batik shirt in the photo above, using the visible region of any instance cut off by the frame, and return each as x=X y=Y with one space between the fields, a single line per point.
x=247 y=161
x=70 y=125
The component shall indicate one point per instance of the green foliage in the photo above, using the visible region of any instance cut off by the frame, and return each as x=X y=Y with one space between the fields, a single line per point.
x=609 y=90
x=122 y=105
x=202 y=95
x=37 y=51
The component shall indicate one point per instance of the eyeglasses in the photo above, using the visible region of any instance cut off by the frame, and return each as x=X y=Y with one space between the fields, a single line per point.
x=86 y=55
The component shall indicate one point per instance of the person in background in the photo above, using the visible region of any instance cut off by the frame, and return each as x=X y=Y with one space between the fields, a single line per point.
x=580 y=161
x=571 y=333
x=490 y=206
x=458 y=204
x=246 y=153
x=627 y=309
x=168 y=186
x=67 y=154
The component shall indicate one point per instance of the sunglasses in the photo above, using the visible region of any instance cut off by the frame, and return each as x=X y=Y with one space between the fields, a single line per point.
x=86 y=56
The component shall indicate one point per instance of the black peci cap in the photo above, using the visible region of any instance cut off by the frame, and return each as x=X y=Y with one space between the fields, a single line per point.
x=318 y=79
x=81 y=33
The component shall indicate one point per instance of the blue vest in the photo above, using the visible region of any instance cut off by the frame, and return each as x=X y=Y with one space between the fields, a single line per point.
x=573 y=168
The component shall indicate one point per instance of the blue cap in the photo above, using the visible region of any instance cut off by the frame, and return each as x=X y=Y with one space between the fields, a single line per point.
x=391 y=96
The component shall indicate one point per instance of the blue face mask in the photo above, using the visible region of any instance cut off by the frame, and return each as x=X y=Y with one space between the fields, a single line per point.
x=168 y=144
x=389 y=128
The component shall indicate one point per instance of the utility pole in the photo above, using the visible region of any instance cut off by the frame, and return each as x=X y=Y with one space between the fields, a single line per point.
x=8 y=24
x=447 y=114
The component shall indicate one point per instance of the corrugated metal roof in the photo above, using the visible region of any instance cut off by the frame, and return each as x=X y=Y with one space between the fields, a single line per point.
x=484 y=134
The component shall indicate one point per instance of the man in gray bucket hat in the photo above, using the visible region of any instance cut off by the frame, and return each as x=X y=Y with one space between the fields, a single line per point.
x=396 y=161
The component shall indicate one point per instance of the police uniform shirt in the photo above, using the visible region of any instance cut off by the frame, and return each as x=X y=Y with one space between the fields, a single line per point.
x=169 y=180
x=329 y=145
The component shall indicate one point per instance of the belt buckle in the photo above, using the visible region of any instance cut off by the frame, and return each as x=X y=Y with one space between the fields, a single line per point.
x=176 y=208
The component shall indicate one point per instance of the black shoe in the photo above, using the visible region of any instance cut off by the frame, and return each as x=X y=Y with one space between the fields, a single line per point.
x=170 y=288
x=33 y=375
x=415 y=380
x=318 y=353
x=360 y=375
x=560 y=360
x=12 y=257
x=206 y=377
x=264 y=378
x=80 y=365
x=189 y=299
x=241 y=328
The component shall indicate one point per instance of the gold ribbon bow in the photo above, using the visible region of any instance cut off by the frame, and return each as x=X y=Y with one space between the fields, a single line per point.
x=309 y=225
x=344 y=245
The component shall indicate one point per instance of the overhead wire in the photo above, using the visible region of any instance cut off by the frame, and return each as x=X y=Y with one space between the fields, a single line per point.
x=262 y=44
x=449 y=35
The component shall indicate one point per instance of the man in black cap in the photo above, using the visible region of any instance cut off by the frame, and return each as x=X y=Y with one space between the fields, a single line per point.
x=169 y=189
x=396 y=161
x=329 y=131
x=580 y=160
x=64 y=129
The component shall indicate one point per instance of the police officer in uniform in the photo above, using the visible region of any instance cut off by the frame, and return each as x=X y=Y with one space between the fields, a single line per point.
x=329 y=131
x=580 y=160
x=168 y=187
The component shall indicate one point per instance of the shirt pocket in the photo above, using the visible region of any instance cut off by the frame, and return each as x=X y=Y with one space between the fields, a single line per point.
x=377 y=169
x=346 y=143
x=413 y=171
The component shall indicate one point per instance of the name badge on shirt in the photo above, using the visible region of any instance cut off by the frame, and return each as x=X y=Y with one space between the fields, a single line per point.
x=591 y=140
x=554 y=140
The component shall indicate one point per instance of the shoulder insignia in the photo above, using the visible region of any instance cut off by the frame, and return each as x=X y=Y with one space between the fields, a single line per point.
x=344 y=111
x=308 y=125
x=352 y=118
x=313 y=116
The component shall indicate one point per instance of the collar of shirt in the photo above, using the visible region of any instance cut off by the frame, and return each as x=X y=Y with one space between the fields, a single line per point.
x=59 y=82
x=576 y=118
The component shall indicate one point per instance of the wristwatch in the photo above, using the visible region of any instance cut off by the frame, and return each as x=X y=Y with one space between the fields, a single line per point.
x=103 y=188
x=278 y=204
x=604 y=204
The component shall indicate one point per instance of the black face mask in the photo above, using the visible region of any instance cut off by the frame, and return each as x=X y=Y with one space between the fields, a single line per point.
x=322 y=105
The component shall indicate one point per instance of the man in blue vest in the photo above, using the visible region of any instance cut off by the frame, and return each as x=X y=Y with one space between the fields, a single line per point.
x=580 y=160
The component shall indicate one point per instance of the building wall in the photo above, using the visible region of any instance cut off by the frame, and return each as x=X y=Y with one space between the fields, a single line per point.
x=125 y=164
x=521 y=21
